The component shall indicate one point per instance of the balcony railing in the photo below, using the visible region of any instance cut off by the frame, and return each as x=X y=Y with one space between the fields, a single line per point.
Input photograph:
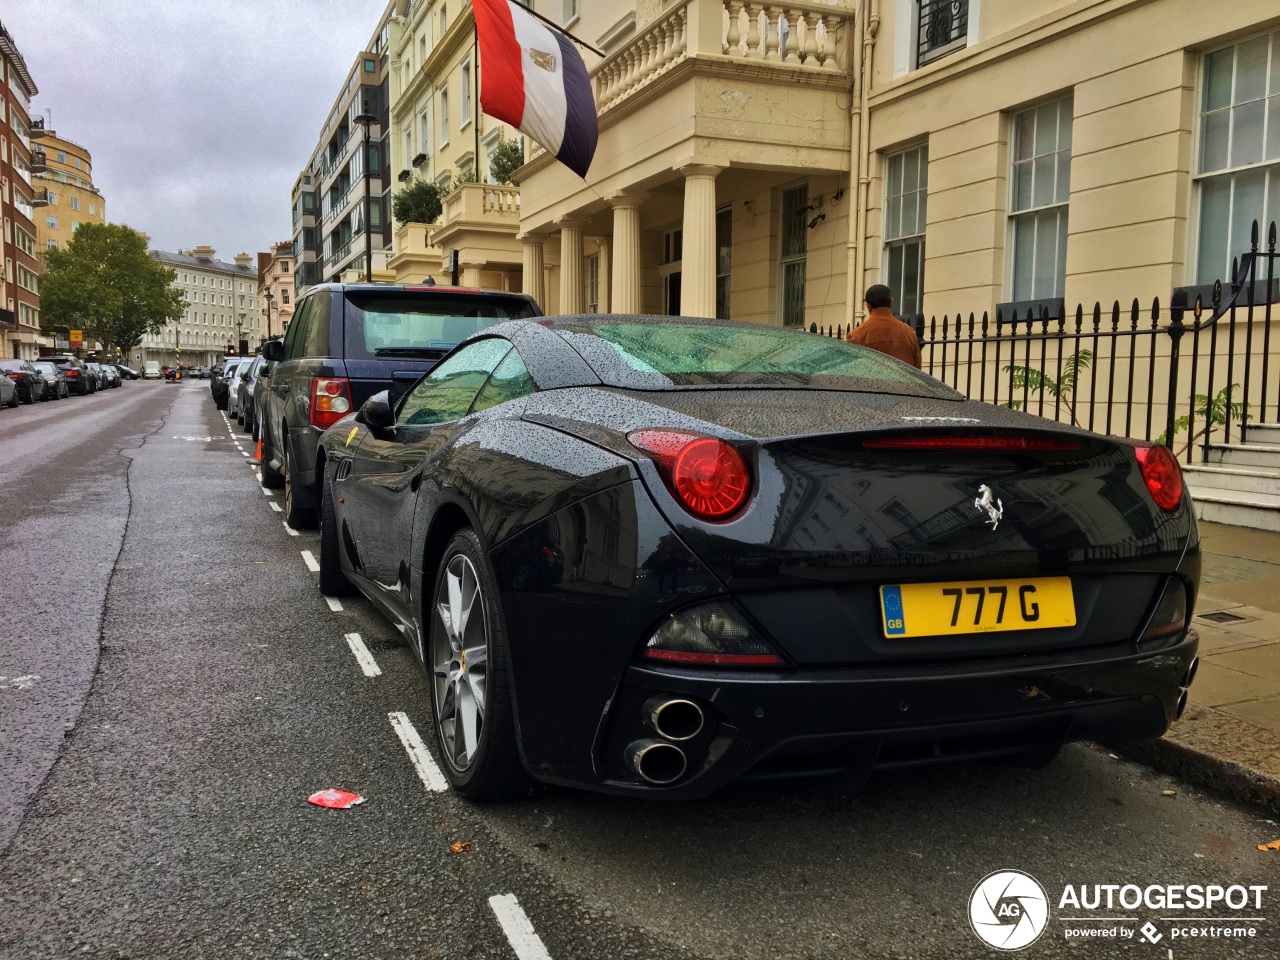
x=39 y=162
x=805 y=36
x=36 y=128
x=482 y=201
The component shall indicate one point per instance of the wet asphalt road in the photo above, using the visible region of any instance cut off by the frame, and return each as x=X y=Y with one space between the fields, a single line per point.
x=209 y=690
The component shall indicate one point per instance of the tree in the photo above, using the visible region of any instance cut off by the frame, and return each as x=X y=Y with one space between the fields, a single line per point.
x=106 y=284
x=1063 y=388
x=1208 y=414
x=419 y=202
x=507 y=159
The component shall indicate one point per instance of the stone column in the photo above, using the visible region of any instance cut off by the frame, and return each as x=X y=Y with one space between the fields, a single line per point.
x=698 y=268
x=625 y=288
x=570 y=265
x=469 y=275
x=533 y=284
x=605 y=244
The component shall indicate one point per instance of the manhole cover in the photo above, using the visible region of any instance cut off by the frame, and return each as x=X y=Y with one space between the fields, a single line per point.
x=1221 y=617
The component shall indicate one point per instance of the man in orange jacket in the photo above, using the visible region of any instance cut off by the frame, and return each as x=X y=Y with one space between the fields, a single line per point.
x=882 y=331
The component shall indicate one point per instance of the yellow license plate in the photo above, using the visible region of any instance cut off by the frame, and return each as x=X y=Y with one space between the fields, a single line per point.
x=976 y=606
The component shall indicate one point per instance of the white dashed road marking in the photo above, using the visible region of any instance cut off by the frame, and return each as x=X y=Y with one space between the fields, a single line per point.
x=429 y=773
x=266 y=491
x=276 y=507
x=334 y=603
x=309 y=559
x=363 y=656
x=288 y=529
x=515 y=924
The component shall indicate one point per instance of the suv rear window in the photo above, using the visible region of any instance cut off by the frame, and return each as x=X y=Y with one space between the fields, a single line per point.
x=420 y=325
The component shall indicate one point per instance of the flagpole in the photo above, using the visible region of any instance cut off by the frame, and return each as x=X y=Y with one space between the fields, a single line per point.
x=560 y=29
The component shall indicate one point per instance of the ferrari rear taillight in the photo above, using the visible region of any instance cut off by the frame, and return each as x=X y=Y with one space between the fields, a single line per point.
x=961 y=442
x=706 y=474
x=710 y=634
x=1161 y=474
x=330 y=400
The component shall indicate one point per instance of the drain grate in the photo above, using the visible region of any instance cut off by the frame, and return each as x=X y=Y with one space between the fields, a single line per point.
x=1221 y=617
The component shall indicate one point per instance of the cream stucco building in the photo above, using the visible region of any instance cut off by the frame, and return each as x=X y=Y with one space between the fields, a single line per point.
x=63 y=170
x=221 y=312
x=275 y=290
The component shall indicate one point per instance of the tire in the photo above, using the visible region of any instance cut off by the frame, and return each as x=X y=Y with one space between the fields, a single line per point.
x=13 y=402
x=271 y=479
x=478 y=746
x=333 y=582
x=295 y=516
x=31 y=397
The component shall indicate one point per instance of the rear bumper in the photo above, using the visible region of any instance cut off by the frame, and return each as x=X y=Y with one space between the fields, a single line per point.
x=856 y=721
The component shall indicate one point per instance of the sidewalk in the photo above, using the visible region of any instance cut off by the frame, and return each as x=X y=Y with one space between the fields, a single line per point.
x=1229 y=737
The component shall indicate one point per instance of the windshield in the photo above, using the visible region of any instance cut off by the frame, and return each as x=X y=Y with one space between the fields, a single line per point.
x=422 y=323
x=658 y=355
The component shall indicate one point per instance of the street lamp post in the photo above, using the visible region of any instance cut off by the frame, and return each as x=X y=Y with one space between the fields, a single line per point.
x=365 y=119
x=269 y=297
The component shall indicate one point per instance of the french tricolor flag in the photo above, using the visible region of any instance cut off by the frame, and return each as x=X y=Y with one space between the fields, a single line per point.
x=534 y=79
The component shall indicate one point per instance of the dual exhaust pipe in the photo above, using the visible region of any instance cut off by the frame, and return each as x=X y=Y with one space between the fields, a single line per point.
x=662 y=762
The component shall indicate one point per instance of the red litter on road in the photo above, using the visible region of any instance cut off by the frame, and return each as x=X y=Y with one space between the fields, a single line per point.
x=335 y=799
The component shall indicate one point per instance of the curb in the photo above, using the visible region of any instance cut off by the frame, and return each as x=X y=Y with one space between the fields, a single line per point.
x=1225 y=755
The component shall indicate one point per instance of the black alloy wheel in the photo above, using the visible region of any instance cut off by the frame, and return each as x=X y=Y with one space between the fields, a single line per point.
x=333 y=582
x=466 y=662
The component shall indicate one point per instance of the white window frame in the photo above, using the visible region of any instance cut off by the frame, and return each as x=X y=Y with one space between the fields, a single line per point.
x=1059 y=208
x=785 y=261
x=905 y=43
x=1237 y=233
x=896 y=237
x=464 y=94
x=443 y=99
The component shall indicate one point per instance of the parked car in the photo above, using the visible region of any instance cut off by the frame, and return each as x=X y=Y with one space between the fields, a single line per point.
x=78 y=377
x=127 y=372
x=765 y=553
x=99 y=375
x=201 y=373
x=233 y=388
x=346 y=343
x=57 y=381
x=8 y=393
x=221 y=387
x=30 y=382
x=110 y=375
x=150 y=369
x=246 y=409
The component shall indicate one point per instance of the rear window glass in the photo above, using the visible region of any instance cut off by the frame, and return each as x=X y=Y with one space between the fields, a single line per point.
x=419 y=325
x=654 y=356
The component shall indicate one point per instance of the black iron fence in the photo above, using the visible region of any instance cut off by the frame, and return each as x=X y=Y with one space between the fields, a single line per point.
x=1201 y=373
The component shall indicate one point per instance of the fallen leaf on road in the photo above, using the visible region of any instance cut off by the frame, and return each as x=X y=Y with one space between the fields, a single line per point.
x=335 y=799
x=1273 y=845
x=460 y=846
x=1170 y=793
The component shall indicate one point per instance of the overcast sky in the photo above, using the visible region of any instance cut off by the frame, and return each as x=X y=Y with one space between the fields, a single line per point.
x=199 y=114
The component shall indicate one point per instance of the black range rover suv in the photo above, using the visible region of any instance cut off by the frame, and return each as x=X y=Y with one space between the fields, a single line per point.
x=345 y=343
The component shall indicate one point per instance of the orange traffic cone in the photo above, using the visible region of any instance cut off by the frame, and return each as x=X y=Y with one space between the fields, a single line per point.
x=256 y=460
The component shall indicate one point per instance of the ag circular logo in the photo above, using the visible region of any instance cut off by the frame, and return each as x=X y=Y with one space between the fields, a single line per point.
x=1008 y=910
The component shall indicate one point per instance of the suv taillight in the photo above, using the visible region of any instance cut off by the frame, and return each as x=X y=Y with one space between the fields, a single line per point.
x=330 y=400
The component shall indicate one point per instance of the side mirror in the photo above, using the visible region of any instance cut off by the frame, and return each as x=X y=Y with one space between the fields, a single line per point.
x=273 y=350
x=376 y=412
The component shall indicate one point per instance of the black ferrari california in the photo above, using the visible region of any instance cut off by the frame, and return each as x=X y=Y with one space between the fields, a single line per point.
x=652 y=556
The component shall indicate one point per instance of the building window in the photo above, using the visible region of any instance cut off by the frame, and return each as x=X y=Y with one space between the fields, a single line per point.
x=53 y=244
x=792 y=255
x=51 y=222
x=53 y=198
x=569 y=11
x=444 y=117
x=724 y=260
x=1040 y=187
x=1239 y=151
x=464 y=79
x=906 y=189
x=942 y=27
x=92 y=207
x=62 y=156
x=370 y=66
x=444 y=19
x=75 y=203
x=284 y=295
x=593 y=284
